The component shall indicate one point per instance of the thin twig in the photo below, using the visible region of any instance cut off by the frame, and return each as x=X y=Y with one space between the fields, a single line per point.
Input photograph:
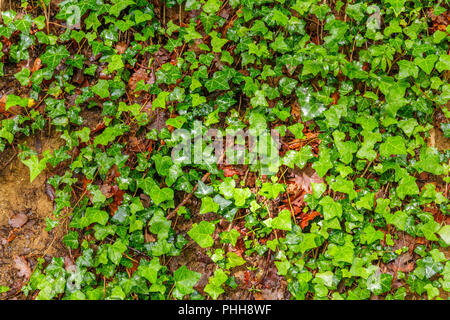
x=189 y=196
x=8 y=162
x=186 y=199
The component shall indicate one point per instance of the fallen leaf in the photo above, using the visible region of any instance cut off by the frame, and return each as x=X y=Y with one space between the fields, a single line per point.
x=18 y=220
x=22 y=265
x=37 y=64
x=108 y=190
x=306 y=217
x=404 y=264
x=118 y=198
x=229 y=171
x=121 y=47
x=69 y=265
x=304 y=179
x=140 y=74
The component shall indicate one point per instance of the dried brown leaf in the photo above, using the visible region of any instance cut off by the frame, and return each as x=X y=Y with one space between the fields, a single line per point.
x=22 y=265
x=18 y=220
x=304 y=179
x=140 y=74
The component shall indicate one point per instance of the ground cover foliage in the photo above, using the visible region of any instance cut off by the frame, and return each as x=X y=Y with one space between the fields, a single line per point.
x=357 y=205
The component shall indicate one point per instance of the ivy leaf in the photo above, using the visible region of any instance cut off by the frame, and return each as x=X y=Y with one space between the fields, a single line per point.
x=216 y=42
x=379 y=283
x=115 y=63
x=398 y=219
x=233 y=260
x=407 y=69
x=160 y=101
x=161 y=195
x=345 y=149
x=162 y=164
x=367 y=201
x=93 y=215
x=432 y=292
x=395 y=97
x=173 y=43
x=149 y=270
x=343 y=185
x=176 y=122
x=312 y=110
x=271 y=190
x=366 y=151
x=370 y=234
x=4 y=289
x=23 y=76
x=230 y=236
x=219 y=81
x=444 y=233
x=393 y=145
x=201 y=233
x=311 y=67
x=203 y=190
x=429 y=161
x=310 y=241
x=13 y=100
x=318 y=189
x=101 y=88
x=426 y=64
x=116 y=250
x=355 y=11
x=110 y=133
x=185 y=280
x=397 y=5
x=240 y=195
x=140 y=16
x=214 y=287
x=197 y=99
x=71 y=240
x=343 y=253
x=168 y=74
x=24 y=24
x=331 y=208
x=297 y=130
x=407 y=186
x=212 y=6
x=429 y=229
x=160 y=226
x=259 y=27
x=279 y=44
x=444 y=63
x=282 y=221
x=208 y=205
x=287 y=85
x=119 y=6
x=298 y=158
x=54 y=55
x=408 y=126
x=226 y=188
x=324 y=164
x=35 y=165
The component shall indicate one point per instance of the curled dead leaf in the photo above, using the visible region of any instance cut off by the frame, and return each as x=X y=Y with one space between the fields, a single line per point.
x=37 y=64
x=18 y=220
x=23 y=267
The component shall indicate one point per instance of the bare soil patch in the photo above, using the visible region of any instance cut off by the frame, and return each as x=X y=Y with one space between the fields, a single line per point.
x=24 y=206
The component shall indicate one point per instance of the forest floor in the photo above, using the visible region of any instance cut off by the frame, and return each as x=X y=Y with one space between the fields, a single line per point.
x=26 y=207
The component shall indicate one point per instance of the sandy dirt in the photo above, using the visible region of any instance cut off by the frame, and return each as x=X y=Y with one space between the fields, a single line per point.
x=23 y=209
